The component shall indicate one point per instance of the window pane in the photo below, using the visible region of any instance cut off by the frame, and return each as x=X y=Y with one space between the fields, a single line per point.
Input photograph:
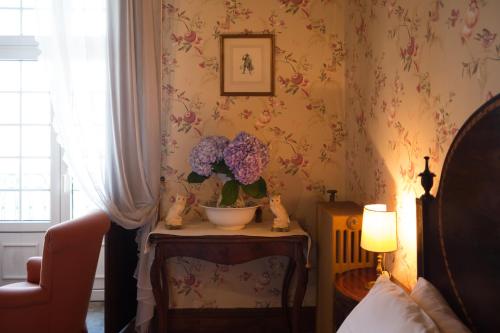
x=9 y=173
x=33 y=76
x=29 y=25
x=31 y=3
x=10 y=22
x=35 y=205
x=36 y=173
x=10 y=3
x=9 y=205
x=11 y=74
x=80 y=202
x=36 y=108
x=36 y=141
x=9 y=141
x=9 y=108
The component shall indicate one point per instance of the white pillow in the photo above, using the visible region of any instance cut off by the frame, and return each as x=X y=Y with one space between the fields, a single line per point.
x=431 y=301
x=387 y=309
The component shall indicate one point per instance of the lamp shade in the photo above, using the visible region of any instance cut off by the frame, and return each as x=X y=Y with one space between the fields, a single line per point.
x=378 y=233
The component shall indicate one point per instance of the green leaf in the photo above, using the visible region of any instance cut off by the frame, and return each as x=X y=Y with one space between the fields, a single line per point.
x=196 y=178
x=229 y=193
x=221 y=167
x=256 y=190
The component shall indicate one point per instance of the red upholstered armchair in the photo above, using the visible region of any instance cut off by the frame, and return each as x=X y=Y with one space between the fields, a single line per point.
x=55 y=297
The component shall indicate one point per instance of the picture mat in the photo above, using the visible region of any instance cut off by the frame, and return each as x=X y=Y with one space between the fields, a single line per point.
x=234 y=49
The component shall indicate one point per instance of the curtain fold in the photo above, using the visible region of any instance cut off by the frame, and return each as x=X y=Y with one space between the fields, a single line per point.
x=134 y=63
x=103 y=63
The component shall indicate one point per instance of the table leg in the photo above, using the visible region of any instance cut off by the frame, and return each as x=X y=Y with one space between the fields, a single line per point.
x=165 y=303
x=159 y=283
x=300 y=290
x=286 y=287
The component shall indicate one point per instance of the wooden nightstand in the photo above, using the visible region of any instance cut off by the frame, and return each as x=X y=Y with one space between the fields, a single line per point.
x=349 y=290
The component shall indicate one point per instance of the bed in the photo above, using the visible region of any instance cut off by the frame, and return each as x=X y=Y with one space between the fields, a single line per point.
x=458 y=230
x=458 y=244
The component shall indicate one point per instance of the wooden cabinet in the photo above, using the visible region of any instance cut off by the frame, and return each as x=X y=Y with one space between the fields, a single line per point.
x=350 y=288
x=339 y=235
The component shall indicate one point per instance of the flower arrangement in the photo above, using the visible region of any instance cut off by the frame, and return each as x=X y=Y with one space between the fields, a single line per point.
x=241 y=160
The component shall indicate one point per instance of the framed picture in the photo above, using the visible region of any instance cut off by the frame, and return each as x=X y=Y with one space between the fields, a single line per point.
x=247 y=64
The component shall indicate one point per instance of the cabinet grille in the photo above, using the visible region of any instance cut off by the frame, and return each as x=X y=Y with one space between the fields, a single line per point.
x=347 y=251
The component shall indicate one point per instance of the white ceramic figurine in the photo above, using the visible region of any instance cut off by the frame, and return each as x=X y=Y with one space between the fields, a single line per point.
x=173 y=220
x=282 y=221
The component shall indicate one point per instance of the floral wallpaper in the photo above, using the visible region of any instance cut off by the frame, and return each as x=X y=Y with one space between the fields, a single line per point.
x=303 y=125
x=364 y=90
x=415 y=71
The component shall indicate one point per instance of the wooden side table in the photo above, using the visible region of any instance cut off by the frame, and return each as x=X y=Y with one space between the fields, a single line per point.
x=230 y=250
x=349 y=290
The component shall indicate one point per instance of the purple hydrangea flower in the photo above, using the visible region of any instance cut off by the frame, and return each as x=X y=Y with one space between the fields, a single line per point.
x=221 y=142
x=246 y=156
x=207 y=152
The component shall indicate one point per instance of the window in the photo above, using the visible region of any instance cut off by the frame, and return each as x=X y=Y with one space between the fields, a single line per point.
x=33 y=190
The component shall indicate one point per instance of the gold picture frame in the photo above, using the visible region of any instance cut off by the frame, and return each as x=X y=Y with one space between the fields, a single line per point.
x=247 y=64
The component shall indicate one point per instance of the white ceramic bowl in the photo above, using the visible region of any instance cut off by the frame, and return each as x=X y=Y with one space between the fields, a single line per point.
x=227 y=218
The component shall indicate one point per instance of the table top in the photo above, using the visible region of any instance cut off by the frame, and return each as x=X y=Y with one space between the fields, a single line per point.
x=203 y=228
x=352 y=283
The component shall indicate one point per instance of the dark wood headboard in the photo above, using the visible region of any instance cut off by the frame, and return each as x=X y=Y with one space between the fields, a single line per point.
x=458 y=230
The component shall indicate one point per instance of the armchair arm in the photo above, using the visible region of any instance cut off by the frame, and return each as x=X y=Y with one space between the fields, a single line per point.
x=22 y=295
x=33 y=267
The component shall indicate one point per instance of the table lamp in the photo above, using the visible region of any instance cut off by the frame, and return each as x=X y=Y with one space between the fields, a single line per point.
x=378 y=233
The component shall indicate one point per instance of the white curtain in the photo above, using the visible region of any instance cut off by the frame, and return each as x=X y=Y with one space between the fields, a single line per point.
x=102 y=59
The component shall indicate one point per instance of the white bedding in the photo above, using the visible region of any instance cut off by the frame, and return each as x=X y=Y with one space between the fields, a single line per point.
x=431 y=301
x=387 y=308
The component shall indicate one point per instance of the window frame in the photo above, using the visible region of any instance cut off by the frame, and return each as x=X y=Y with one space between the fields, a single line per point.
x=19 y=48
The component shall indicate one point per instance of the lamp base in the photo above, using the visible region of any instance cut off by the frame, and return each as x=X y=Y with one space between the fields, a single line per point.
x=379 y=269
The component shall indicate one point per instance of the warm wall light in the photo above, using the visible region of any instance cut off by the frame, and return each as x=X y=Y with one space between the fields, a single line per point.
x=378 y=233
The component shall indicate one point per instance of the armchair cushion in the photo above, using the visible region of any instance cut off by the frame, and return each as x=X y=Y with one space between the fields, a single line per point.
x=33 y=267
x=22 y=294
